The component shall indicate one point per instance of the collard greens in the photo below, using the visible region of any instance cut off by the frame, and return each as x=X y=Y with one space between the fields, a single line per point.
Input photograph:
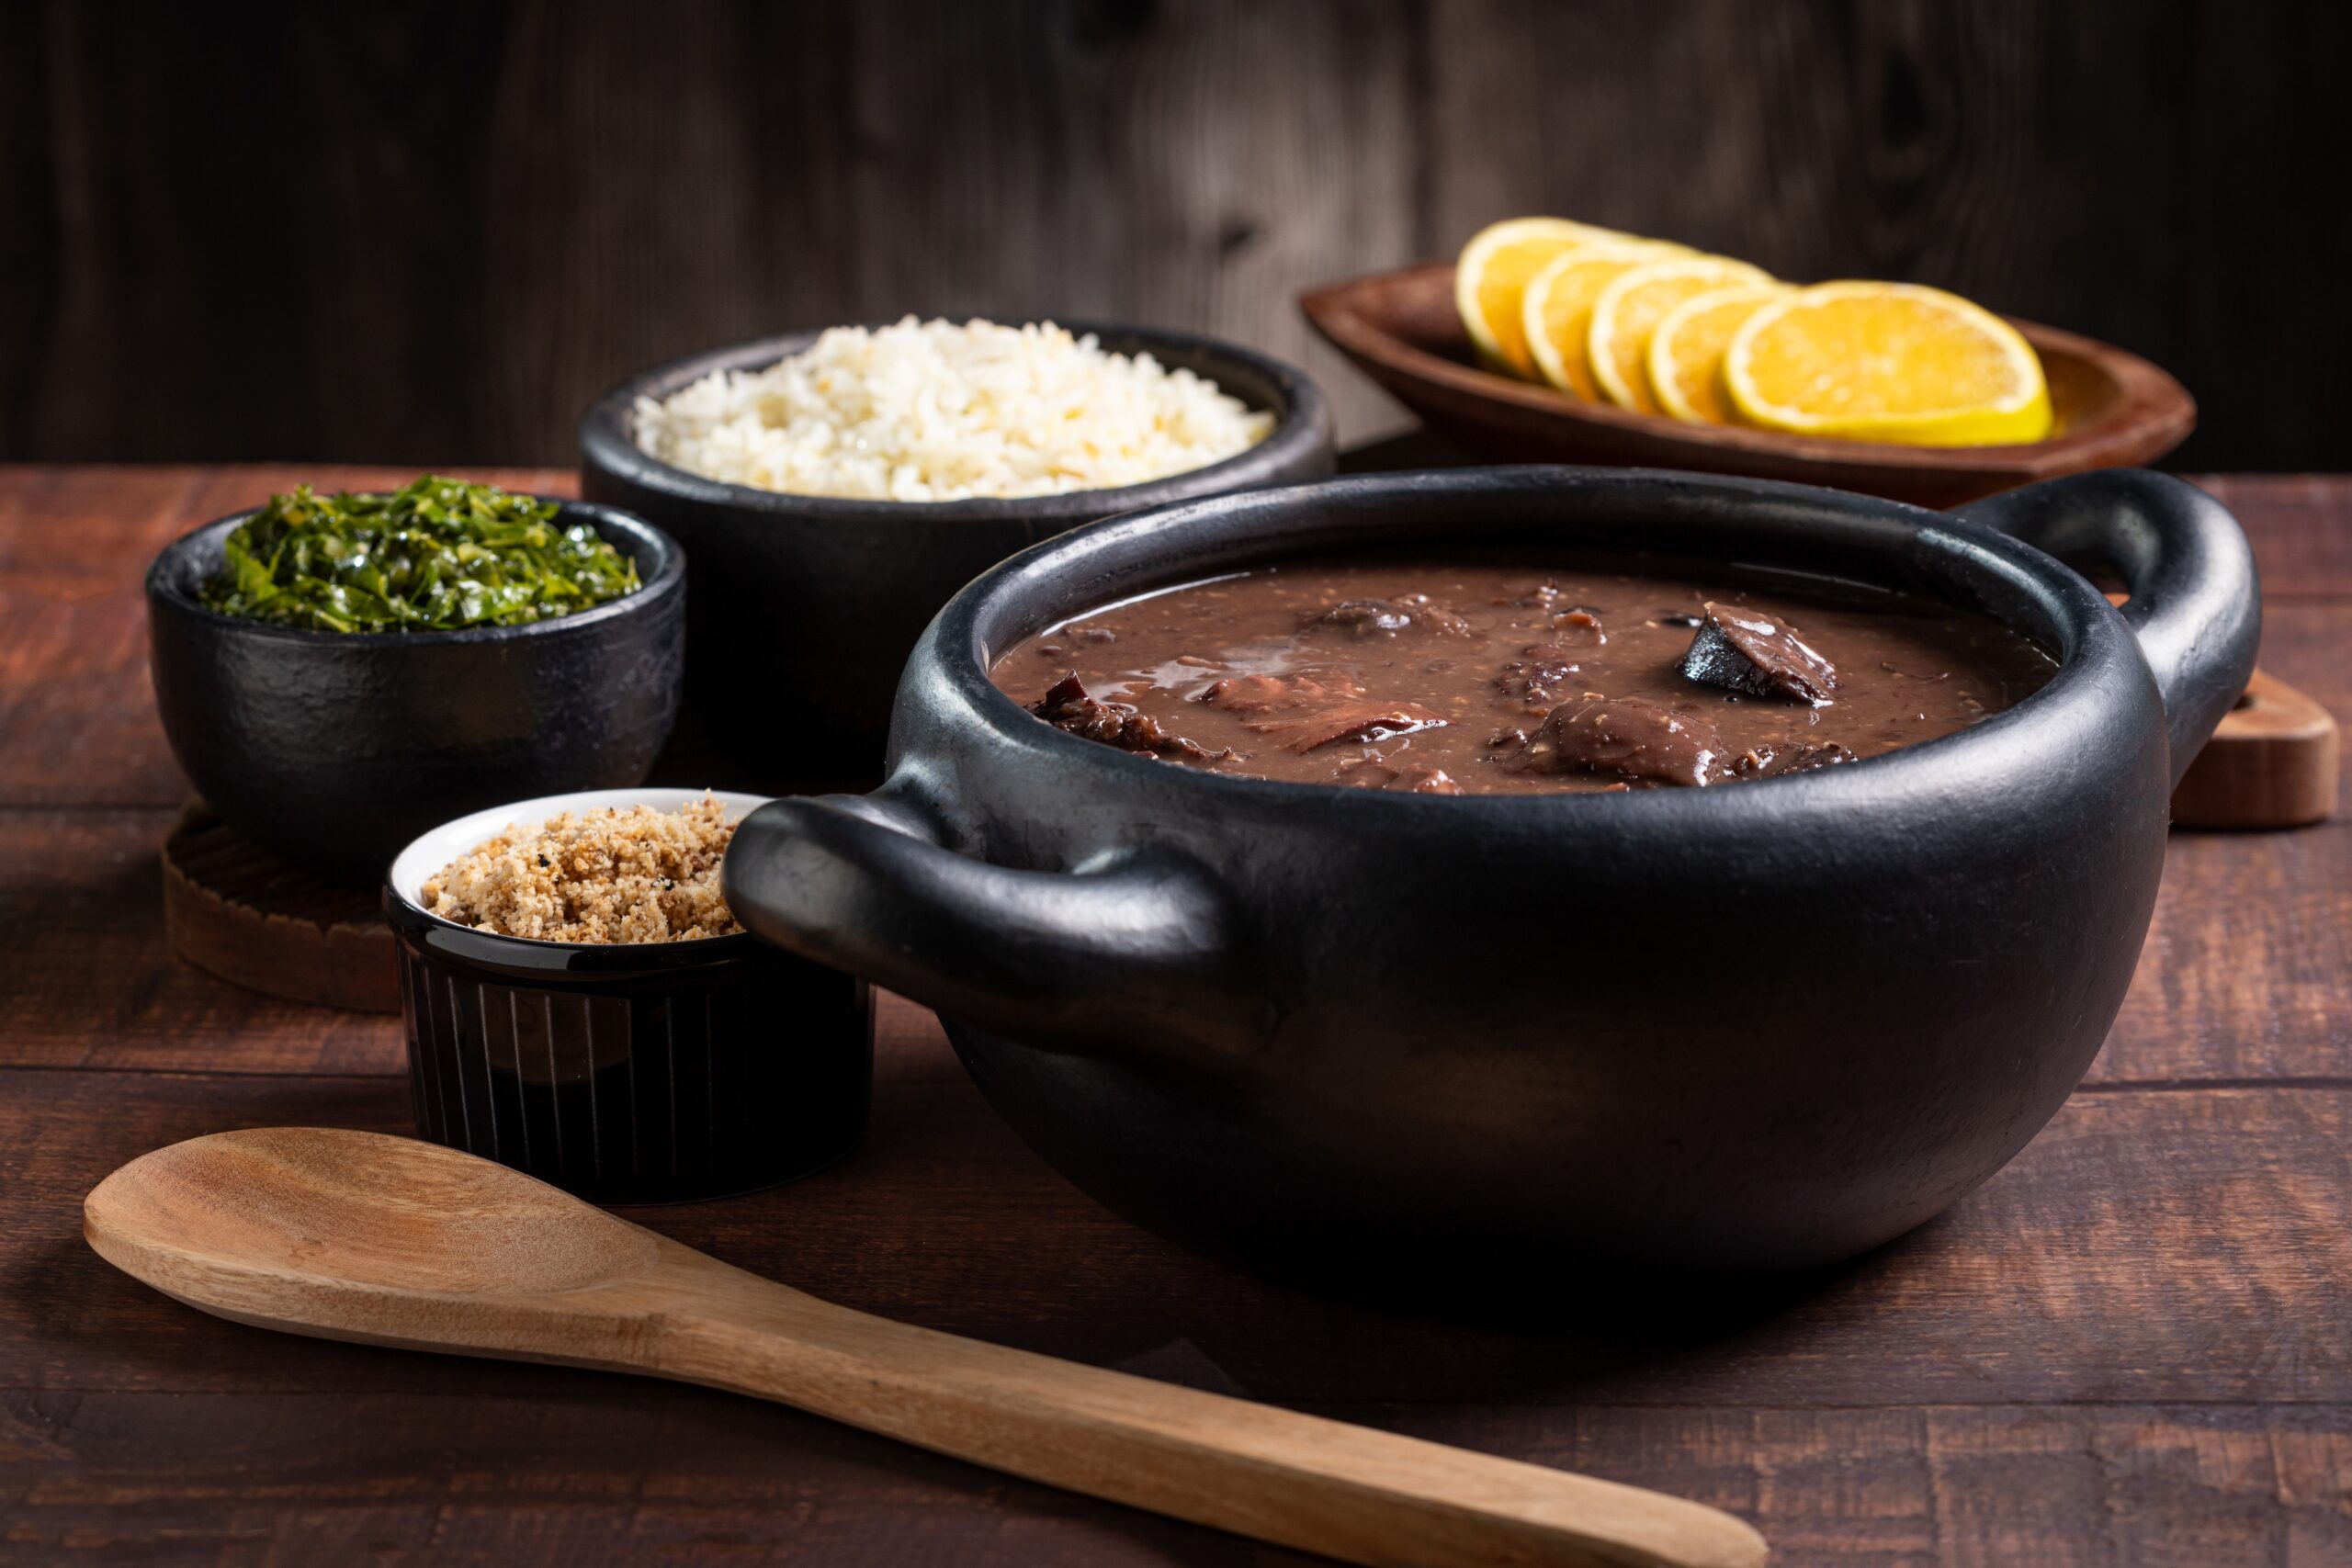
x=435 y=556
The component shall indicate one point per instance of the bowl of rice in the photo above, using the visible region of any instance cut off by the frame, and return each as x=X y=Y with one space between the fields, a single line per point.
x=835 y=489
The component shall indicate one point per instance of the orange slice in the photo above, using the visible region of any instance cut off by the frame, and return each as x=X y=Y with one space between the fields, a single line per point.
x=1887 y=362
x=1628 y=311
x=1556 y=315
x=1686 y=357
x=1492 y=274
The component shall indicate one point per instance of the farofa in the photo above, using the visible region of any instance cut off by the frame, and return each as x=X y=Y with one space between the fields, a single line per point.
x=609 y=876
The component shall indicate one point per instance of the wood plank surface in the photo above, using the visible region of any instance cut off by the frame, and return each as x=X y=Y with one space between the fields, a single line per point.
x=2148 y=1247
x=2132 y=1346
x=2298 y=539
x=2017 y=1353
x=607 y=1477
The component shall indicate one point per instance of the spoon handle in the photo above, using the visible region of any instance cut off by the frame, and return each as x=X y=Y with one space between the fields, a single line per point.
x=1300 y=1481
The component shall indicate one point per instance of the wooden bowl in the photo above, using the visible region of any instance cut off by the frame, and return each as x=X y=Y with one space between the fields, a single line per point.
x=1401 y=329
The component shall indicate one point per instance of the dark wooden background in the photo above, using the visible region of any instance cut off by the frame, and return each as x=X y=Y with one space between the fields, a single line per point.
x=429 y=233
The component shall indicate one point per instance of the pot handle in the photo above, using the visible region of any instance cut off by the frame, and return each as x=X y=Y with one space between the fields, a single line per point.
x=1139 y=946
x=2196 y=602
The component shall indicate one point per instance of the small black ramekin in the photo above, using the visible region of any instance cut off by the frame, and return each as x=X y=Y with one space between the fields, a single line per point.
x=629 y=1073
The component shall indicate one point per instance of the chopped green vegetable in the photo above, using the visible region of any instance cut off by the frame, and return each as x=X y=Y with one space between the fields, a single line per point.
x=437 y=556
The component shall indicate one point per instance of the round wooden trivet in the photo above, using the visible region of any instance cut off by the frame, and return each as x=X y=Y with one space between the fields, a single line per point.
x=236 y=911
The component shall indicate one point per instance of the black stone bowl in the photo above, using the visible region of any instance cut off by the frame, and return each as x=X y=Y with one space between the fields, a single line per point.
x=1558 y=1041
x=333 y=750
x=628 y=1073
x=806 y=607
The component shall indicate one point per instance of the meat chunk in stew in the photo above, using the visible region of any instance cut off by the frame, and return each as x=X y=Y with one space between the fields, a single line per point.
x=1068 y=707
x=1762 y=655
x=1541 y=678
x=1778 y=761
x=1579 y=628
x=1627 y=737
x=1374 y=771
x=1389 y=618
x=1254 y=696
x=1349 y=721
x=1302 y=712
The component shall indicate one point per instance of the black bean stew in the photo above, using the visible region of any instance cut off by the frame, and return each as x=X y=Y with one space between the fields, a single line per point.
x=1480 y=679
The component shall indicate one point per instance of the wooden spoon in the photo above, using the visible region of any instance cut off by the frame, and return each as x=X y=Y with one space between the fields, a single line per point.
x=389 y=1241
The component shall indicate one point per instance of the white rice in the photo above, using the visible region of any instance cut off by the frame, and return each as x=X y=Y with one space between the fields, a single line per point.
x=927 y=411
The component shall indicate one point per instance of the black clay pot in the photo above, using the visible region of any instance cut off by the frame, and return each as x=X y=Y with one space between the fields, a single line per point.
x=333 y=750
x=1433 y=1041
x=806 y=607
x=628 y=1073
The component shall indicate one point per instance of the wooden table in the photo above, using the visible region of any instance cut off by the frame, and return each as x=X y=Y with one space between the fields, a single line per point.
x=2133 y=1345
